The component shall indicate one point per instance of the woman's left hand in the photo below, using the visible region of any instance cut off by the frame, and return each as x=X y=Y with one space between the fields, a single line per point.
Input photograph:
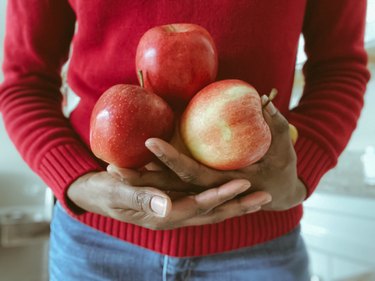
x=275 y=173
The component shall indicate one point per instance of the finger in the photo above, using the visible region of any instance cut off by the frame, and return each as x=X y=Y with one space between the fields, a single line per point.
x=143 y=199
x=279 y=126
x=293 y=132
x=214 y=197
x=195 y=205
x=121 y=173
x=187 y=169
x=163 y=180
x=153 y=166
x=236 y=207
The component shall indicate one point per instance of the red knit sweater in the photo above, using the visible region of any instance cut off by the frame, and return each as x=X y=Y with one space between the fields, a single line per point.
x=256 y=41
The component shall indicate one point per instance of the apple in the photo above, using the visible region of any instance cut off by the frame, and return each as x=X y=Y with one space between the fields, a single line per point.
x=223 y=126
x=177 y=60
x=123 y=118
x=293 y=132
x=177 y=141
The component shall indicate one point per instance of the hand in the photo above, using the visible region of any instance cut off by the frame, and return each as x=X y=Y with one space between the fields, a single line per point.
x=101 y=193
x=275 y=174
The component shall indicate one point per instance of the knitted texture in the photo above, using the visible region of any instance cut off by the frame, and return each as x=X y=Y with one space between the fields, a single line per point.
x=257 y=42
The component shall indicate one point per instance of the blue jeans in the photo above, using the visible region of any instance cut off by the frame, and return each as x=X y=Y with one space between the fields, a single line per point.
x=78 y=252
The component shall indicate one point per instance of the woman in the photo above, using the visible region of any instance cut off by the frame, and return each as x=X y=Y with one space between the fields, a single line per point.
x=118 y=224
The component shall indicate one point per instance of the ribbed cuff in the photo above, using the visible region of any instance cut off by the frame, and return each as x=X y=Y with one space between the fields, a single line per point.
x=312 y=163
x=61 y=166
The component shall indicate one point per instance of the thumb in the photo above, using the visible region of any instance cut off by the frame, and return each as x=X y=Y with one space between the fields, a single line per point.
x=278 y=125
x=147 y=199
x=143 y=199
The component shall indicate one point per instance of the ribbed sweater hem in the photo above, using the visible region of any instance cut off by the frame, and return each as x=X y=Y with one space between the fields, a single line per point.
x=231 y=234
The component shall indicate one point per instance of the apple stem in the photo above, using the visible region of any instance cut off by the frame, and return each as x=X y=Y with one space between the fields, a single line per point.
x=270 y=97
x=141 y=80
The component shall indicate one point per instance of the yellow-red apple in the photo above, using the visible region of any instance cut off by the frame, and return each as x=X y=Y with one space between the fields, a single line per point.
x=223 y=126
x=293 y=132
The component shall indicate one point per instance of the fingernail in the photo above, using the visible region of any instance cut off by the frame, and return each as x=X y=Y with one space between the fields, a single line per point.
x=266 y=200
x=264 y=99
x=253 y=209
x=159 y=205
x=271 y=109
x=116 y=175
x=153 y=148
x=244 y=187
x=112 y=171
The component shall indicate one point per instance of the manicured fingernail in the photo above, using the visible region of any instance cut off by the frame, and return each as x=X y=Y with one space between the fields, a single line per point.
x=153 y=148
x=159 y=205
x=271 y=109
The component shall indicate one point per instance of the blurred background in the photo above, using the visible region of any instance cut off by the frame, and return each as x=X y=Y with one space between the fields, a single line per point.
x=338 y=224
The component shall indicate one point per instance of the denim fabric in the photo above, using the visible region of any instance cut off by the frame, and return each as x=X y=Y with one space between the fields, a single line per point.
x=80 y=253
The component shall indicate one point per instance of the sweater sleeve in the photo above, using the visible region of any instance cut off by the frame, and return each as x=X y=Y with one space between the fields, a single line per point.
x=336 y=75
x=37 y=41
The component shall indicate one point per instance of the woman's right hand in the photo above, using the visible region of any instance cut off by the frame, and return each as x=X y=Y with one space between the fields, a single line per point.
x=101 y=193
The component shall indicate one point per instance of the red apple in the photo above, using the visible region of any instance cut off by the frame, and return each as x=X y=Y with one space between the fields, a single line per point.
x=177 y=60
x=223 y=126
x=123 y=118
